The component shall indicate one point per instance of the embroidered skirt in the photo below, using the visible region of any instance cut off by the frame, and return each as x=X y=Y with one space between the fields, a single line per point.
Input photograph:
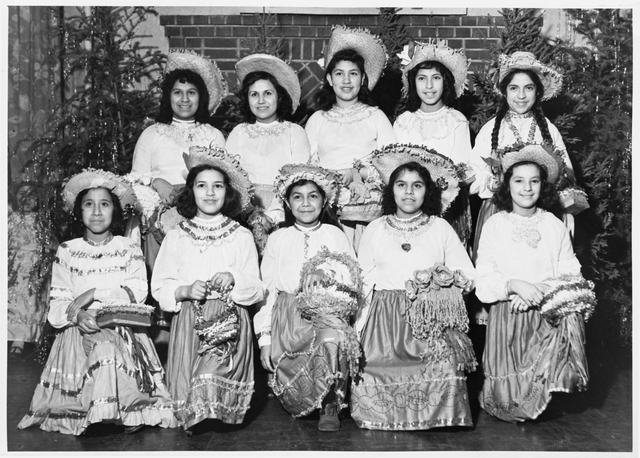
x=526 y=359
x=208 y=385
x=309 y=361
x=76 y=389
x=397 y=390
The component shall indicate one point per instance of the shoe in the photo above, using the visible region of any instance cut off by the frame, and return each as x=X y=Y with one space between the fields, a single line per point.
x=15 y=353
x=133 y=429
x=329 y=420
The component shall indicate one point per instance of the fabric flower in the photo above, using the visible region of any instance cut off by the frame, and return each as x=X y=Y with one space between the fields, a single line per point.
x=442 y=276
x=461 y=281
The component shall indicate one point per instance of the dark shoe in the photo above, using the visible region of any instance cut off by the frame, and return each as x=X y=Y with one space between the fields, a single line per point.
x=133 y=429
x=15 y=353
x=329 y=420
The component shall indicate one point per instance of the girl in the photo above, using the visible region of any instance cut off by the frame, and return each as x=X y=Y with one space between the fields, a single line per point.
x=98 y=374
x=522 y=248
x=207 y=272
x=434 y=75
x=266 y=141
x=414 y=342
x=347 y=129
x=308 y=357
x=27 y=303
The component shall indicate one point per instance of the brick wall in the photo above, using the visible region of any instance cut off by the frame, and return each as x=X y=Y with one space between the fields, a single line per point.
x=230 y=37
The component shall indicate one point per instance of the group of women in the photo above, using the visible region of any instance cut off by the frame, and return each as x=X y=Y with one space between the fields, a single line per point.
x=371 y=218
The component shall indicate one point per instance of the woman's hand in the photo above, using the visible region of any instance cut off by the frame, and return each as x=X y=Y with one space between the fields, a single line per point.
x=79 y=303
x=194 y=292
x=517 y=305
x=265 y=358
x=87 y=323
x=223 y=281
x=528 y=292
x=165 y=190
x=346 y=175
x=312 y=280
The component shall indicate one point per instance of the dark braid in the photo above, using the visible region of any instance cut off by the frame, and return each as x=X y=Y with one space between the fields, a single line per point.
x=538 y=115
x=502 y=111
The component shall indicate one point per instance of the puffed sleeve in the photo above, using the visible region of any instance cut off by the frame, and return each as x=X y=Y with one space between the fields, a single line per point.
x=299 y=145
x=248 y=288
x=462 y=142
x=455 y=255
x=386 y=134
x=366 y=258
x=568 y=263
x=268 y=268
x=218 y=138
x=558 y=142
x=233 y=141
x=311 y=128
x=491 y=285
x=164 y=279
x=143 y=153
x=135 y=280
x=481 y=150
x=61 y=291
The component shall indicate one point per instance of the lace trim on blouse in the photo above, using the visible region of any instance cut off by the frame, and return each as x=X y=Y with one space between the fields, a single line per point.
x=205 y=233
x=275 y=129
x=410 y=228
x=349 y=115
x=185 y=133
x=525 y=228
x=433 y=126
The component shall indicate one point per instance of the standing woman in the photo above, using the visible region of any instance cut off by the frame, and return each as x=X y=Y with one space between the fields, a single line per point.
x=413 y=324
x=267 y=140
x=434 y=75
x=308 y=355
x=346 y=129
x=530 y=278
x=207 y=273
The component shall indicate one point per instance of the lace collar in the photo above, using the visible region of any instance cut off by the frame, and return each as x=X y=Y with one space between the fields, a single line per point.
x=272 y=129
x=348 y=115
x=207 y=232
x=525 y=228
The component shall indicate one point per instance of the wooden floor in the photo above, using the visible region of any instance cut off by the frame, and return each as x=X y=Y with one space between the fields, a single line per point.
x=598 y=420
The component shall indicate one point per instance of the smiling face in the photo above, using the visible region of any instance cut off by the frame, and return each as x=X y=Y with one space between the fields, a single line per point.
x=521 y=93
x=524 y=186
x=97 y=213
x=429 y=87
x=346 y=81
x=209 y=191
x=409 y=191
x=306 y=203
x=184 y=100
x=263 y=101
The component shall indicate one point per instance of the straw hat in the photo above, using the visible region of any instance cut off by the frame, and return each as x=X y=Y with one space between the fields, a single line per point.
x=520 y=60
x=369 y=46
x=542 y=155
x=444 y=173
x=325 y=179
x=283 y=73
x=455 y=60
x=96 y=178
x=238 y=177
x=183 y=59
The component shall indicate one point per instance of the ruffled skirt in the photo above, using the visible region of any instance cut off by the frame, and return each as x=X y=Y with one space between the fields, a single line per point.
x=209 y=385
x=76 y=390
x=526 y=359
x=309 y=360
x=397 y=390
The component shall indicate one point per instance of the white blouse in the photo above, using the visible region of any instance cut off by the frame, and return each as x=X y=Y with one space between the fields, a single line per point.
x=286 y=252
x=445 y=130
x=198 y=249
x=516 y=247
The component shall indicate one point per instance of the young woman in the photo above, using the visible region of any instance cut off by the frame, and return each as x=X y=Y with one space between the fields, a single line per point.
x=266 y=141
x=98 y=374
x=524 y=250
x=434 y=75
x=308 y=356
x=413 y=324
x=207 y=273
x=347 y=128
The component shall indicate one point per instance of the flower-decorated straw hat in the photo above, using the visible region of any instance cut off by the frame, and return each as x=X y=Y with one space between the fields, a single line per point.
x=96 y=178
x=444 y=173
x=283 y=73
x=455 y=60
x=369 y=46
x=520 y=60
x=542 y=155
x=183 y=59
x=238 y=177
x=325 y=179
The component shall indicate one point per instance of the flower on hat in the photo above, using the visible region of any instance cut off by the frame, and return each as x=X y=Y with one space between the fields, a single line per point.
x=325 y=179
x=97 y=178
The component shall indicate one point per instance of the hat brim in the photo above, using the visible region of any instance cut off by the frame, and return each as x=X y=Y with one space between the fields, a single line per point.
x=283 y=73
x=537 y=154
x=238 y=177
x=324 y=178
x=550 y=78
x=95 y=178
x=208 y=71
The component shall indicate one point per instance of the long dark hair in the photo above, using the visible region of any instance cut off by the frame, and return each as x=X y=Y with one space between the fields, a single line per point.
x=117 y=219
x=186 y=202
x=431 y=204
x=449 y=90
x=548 y=199
x=536 y=110
x=285 y=105
x=165 y=116
x=326 y=98
x=327 y=215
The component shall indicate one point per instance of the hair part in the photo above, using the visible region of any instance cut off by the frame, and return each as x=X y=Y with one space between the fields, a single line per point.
x=186 y=201
x=285 y=104
x=414 y=102
x=165 y=116
x=431 y=204
x=327 y=215
x=117 y=218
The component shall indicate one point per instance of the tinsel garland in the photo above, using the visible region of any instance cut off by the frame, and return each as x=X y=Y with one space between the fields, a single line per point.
x=221 y=333
x=335 y=300
x=568 y=294
x=435 y=310
x=125 y=315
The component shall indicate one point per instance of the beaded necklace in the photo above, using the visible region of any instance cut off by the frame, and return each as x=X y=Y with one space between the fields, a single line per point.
x=103 y=243
x=408 y=228
x=209 y=234
x=532 y=130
